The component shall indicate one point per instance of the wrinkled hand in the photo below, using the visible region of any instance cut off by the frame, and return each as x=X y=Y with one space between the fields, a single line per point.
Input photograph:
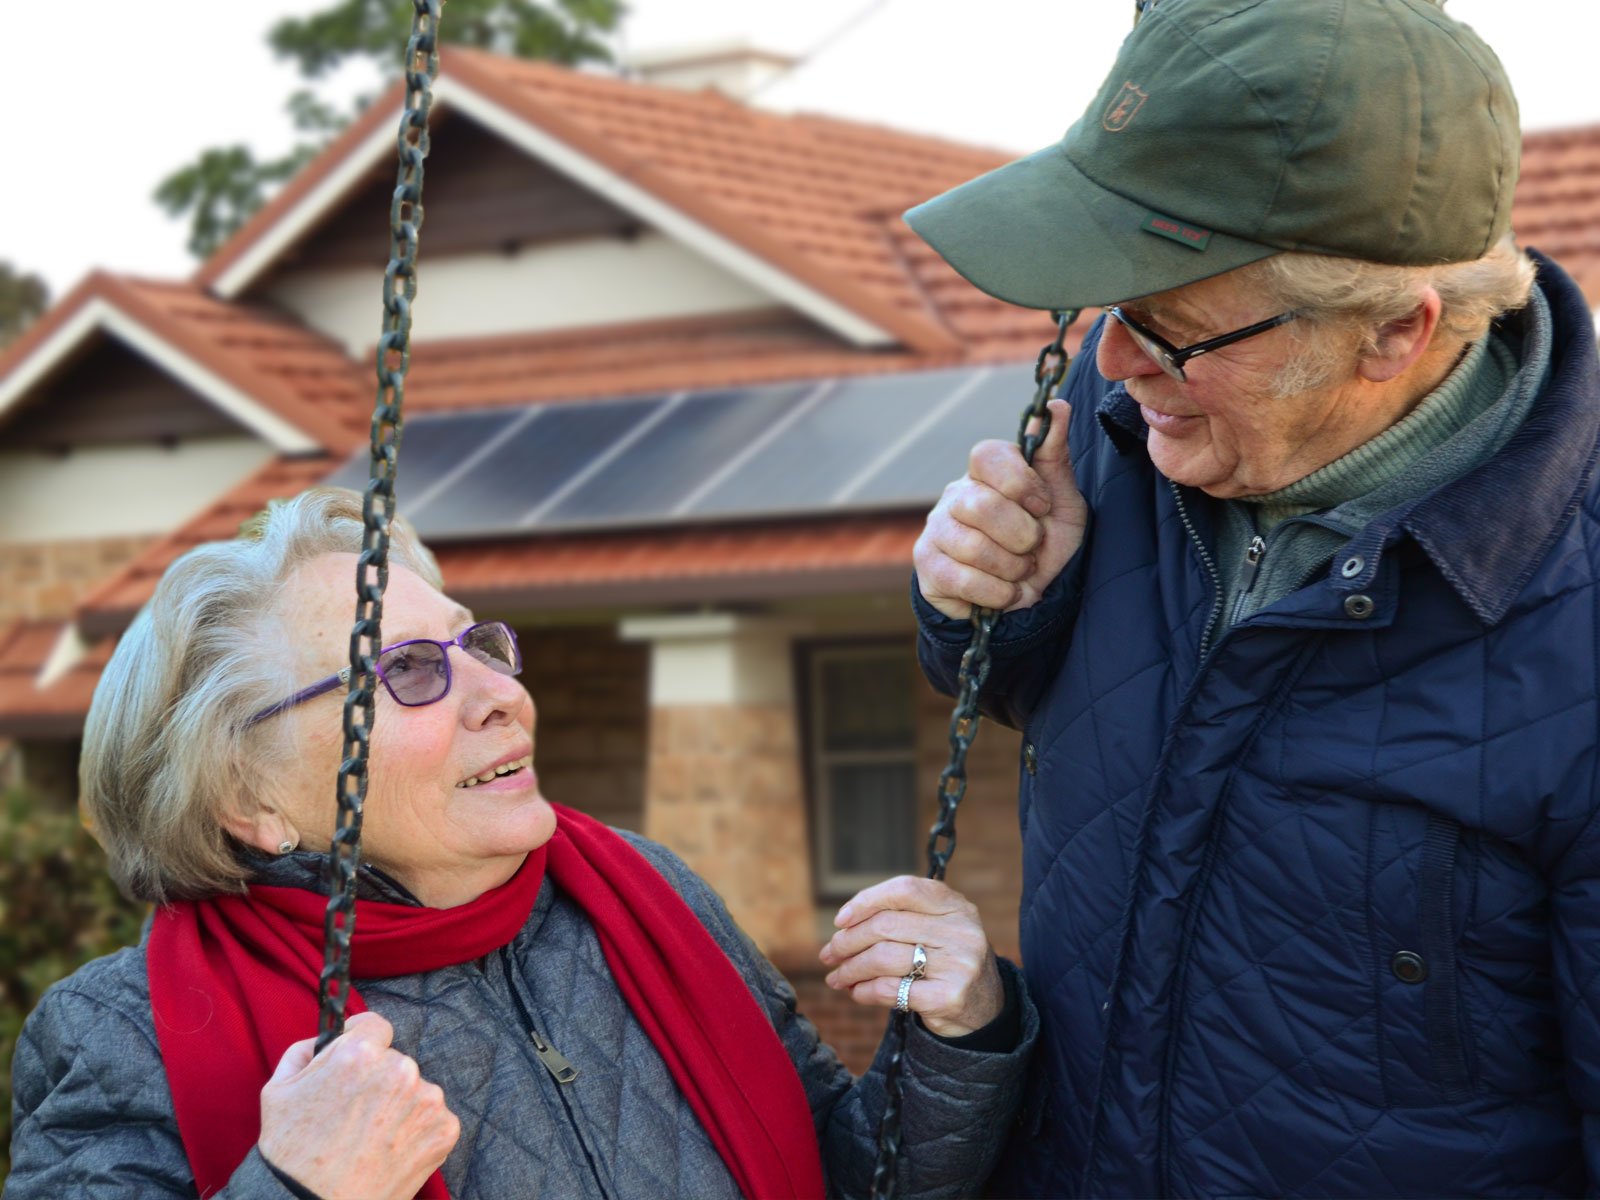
x=878 y=929
x=357 y=1120
x=1002 y=532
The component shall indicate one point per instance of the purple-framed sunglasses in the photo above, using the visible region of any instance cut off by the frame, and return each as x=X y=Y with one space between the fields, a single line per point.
x=417 y=672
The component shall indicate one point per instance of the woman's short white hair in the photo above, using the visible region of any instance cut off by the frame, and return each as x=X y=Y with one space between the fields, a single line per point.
x=168 y=741
x=1344 y=303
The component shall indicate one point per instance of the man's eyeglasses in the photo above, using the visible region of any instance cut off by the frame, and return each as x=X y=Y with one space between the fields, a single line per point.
x=418 y=672
x=1171 y=358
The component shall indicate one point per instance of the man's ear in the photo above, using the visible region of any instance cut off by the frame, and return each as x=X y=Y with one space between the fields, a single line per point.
x=1402 y=342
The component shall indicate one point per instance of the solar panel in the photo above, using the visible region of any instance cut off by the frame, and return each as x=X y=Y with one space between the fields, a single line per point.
x=988 y=405
x=496 y=495
x=430 y=445
x=840 y=435
x=863 y=442
x=654 y=474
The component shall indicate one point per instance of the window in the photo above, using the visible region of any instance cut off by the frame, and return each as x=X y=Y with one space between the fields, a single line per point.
x=863 y=766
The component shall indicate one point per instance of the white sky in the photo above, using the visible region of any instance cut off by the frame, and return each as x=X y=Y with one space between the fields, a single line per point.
x=102 y=106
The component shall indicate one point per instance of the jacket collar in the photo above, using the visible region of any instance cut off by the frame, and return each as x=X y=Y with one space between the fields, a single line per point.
x=1488 y=531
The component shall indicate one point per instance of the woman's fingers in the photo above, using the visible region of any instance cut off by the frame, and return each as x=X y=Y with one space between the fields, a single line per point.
x=880 y=928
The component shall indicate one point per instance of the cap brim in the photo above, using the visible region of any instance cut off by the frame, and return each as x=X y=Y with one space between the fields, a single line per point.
x=1039 y=233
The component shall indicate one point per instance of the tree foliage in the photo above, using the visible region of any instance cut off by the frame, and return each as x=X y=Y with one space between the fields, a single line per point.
x=222 y=188
x=58 y=910
x=22 y=298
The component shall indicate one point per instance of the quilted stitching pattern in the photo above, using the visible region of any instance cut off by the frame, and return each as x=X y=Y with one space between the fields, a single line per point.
x=1219 y=865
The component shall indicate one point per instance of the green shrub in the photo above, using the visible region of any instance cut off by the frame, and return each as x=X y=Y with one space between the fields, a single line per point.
x=58 y=910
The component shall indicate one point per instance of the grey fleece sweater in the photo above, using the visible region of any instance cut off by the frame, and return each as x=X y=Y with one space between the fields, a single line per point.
x=93 y=1114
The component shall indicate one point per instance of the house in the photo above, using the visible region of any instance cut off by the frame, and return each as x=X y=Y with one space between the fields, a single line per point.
x=683 y=386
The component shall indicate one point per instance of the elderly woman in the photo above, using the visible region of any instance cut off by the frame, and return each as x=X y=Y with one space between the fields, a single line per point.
x=551 y=1008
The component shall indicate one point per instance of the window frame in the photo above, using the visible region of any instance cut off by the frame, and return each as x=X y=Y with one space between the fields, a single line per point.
x=832 y=884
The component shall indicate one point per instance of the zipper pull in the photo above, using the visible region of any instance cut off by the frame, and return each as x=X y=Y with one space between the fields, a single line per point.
x=554 y=1061
x=1253 y=554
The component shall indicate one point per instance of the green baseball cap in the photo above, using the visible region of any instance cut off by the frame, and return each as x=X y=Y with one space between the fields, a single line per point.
x=1229 y=130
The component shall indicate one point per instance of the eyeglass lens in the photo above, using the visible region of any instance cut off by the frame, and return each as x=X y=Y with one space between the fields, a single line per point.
x=418 y=673
x=1159 y=354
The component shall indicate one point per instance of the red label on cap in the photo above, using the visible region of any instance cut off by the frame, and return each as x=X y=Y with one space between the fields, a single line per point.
x=1191 y=236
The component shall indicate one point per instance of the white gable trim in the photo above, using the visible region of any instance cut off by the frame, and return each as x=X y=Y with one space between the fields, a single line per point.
x=584 y=170
x=100 y=315
x=70 y=650
x=316 y=204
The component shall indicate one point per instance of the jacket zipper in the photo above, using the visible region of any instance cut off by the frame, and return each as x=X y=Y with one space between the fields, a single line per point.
x=1251 y=567
x=561 y=1070
x=1211 y=570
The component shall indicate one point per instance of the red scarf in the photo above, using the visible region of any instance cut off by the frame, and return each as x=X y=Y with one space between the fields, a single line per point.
x=233 y=981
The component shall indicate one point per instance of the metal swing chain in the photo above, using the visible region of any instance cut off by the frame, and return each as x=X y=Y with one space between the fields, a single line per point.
x=377 y=509
x=1048 y=373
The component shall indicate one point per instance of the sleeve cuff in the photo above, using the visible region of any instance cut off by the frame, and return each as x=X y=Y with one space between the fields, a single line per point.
x=1001 y=1035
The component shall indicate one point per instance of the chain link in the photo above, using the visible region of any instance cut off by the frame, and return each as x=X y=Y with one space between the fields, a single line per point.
x=377 y=510
x=1048 y=372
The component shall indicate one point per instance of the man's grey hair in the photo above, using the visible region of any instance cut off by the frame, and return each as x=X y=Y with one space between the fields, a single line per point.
x=168 y=743
x=1344 y=303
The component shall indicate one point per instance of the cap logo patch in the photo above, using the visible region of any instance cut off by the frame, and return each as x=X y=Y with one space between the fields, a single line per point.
x=1182 y=232
x=1126 y=103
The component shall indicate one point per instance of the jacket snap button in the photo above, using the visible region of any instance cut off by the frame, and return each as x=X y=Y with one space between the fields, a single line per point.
x=1352 y=566
x=1408 y=967
x=1358 y=606
x=1030 y=758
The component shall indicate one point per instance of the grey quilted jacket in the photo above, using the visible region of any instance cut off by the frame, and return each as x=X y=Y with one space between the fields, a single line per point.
x=93 y=1115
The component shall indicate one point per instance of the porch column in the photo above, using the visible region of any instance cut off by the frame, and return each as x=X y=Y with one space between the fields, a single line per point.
x=723 y=781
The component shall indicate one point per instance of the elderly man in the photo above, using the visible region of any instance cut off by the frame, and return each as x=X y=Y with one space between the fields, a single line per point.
x=1300 y=622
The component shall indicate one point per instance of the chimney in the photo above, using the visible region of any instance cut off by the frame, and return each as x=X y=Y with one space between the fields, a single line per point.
x=736 y=69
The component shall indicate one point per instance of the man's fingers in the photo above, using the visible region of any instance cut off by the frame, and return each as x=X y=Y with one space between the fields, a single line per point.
x=973 y=548
x=981 y=507
x=1052 y=461
x=1000 y=465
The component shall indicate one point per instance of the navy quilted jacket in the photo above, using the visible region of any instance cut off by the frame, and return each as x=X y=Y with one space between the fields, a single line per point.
x=1315 y=909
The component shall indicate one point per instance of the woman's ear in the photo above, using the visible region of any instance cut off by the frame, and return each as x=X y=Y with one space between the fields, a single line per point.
x=260 y=826
x=1402 y=342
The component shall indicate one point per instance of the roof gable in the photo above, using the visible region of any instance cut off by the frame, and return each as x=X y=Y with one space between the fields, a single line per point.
x=289 y=386
x=804 y=208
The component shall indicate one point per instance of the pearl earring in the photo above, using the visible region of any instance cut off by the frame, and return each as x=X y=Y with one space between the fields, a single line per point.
x=285 y=846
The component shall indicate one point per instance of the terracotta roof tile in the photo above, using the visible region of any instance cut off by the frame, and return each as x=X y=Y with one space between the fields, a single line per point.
x=1557 y=207
x=295 y=373
x=726 y=562
x=58 y=710
x=111 y=605
x=818 y=197
x=671 y=355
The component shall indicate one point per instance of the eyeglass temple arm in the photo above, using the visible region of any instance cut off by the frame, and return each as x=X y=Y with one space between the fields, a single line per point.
x=1238 y=335
x=300 y=697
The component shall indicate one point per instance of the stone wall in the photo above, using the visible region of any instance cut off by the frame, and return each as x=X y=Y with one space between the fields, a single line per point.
x=44 y=581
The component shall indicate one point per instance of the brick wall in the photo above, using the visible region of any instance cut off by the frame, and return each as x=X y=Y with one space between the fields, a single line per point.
x=853 y=1030
x=987 y=865
x=725 y=792
x=592 y=694
x=43 y=581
